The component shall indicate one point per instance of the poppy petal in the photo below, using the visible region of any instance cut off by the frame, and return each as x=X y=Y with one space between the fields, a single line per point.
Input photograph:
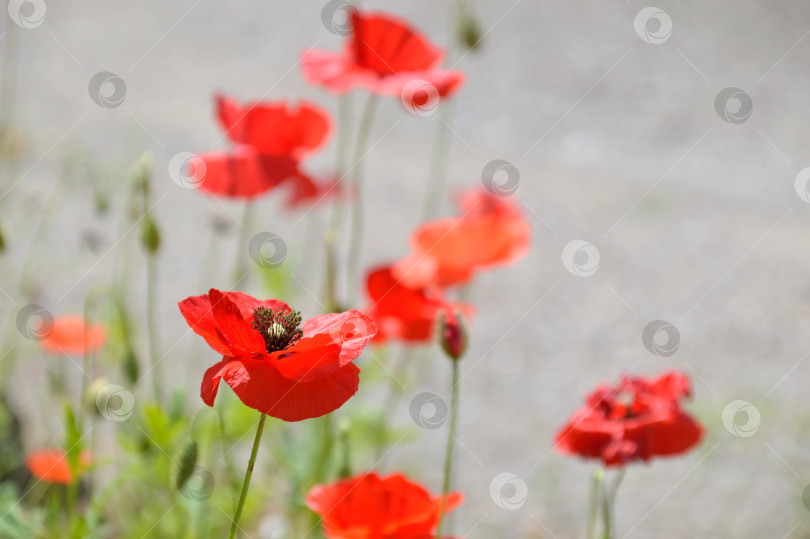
x=197 y=312
x=274 y=128
x=309 y=359
x=70 y=335
x=351 y=330
x=388 y=45
x=233 y=327
x=243 y=172
x=259 y=385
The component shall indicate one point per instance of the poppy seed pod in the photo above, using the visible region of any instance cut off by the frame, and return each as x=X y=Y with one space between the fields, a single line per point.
x=453 y=334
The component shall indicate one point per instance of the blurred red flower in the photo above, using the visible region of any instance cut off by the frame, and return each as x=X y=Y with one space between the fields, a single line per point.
x=635 y=420
x=371 y=507
x=70 y=335
x=405 y=313
x=273 y=365
x=384 y=55
x=491 y=232
x=51 y=466
x=271 y=139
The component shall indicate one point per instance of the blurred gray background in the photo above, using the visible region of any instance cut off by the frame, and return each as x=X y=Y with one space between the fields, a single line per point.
x=698 y=221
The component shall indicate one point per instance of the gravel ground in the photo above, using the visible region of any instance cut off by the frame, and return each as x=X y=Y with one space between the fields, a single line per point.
x=619 y=142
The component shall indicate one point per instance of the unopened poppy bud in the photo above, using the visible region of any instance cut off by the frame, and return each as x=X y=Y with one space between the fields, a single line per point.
x=186 y=464
x=150 y=235
x=131 y=367
x=102 y=203
x=469 y=32
x=453 y=334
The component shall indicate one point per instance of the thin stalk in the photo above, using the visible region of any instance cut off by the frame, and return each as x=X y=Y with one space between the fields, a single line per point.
x=394 y=393
x=437 y=175
x=326 y=442
x=609 y=499
x=240 y=267
x=448 y=457
x=594 y=503
x=85 y=366
x=363 y=133
x=607 y=532
x=248 y=475
x=6 y=97
x=151 y=308
x=343 y=134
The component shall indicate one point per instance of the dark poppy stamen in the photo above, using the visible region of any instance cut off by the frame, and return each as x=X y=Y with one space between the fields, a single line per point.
x=279 y=329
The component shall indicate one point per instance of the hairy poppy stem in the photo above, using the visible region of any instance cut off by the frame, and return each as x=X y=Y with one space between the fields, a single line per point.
x=332 y=234
x=151 y=304
x=237 y=515
x=448 y=457
x=607 y=518
x=594 y=503
x=610 y=498
x=363 y=133
x=240 y=269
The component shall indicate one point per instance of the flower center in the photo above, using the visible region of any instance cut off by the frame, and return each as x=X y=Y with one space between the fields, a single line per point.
x=279 y=329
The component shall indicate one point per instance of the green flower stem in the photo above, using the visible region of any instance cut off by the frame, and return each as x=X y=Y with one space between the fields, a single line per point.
x=608 y=505
x=594 y=503
x=248 y=475
x=240 y=268
x=448 y=457
x=151 y=307
x=332 y=234
x=395 y=389
x=363 y=133
x=607 y=517
x=438 y=162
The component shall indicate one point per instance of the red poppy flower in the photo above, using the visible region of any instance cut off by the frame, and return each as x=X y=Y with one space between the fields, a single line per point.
x=270 y=363
x=51 y=466
x=373 y=507
x=384 y=55
x=635 y=420
x=491 y=232
x=271 y=139
x=69 y=335
x=404 y=313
